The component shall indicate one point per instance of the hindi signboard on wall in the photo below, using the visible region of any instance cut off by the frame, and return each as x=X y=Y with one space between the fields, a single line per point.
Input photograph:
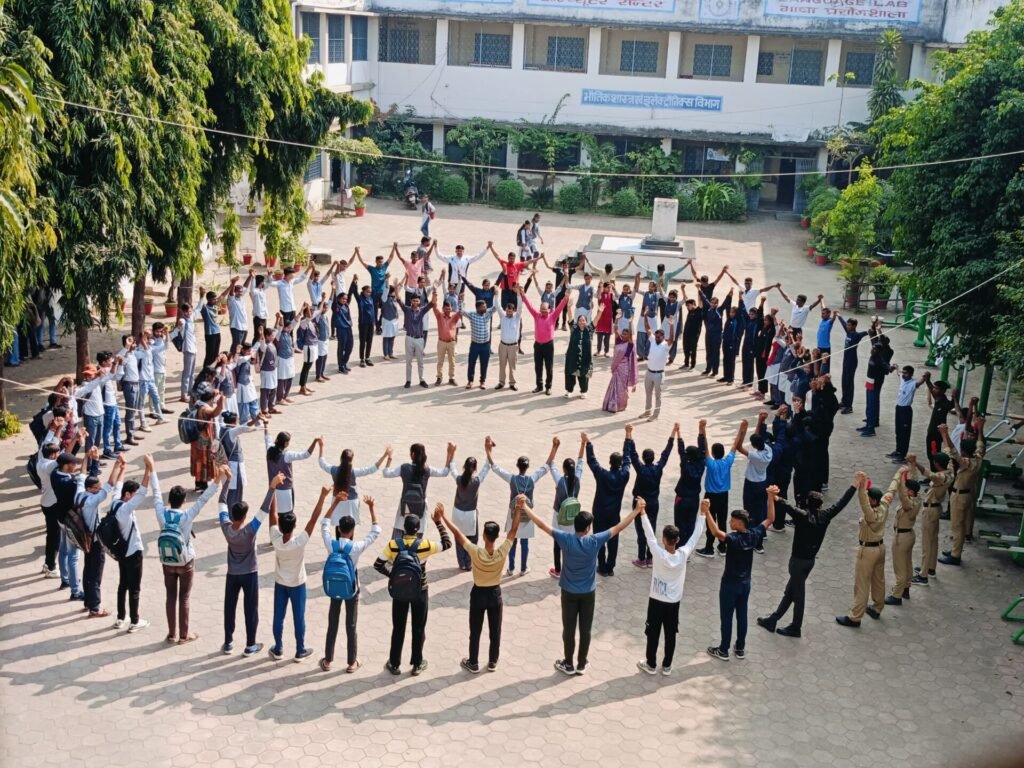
x=595 y=97
x=663 y=6
x=889 y=11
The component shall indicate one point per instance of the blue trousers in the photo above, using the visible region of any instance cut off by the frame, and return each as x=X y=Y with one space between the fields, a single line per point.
x=94 y=432
x=344 y=336
x=67 y=561
x=871 y=408
x=297 y=597
x=524 y=556
x=148 y=389
x=249 y=585
x=732 y=599
x=479 y=350
x=111 y=427
x=712 y=352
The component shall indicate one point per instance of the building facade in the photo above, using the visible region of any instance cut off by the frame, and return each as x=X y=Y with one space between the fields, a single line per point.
x=692 y=75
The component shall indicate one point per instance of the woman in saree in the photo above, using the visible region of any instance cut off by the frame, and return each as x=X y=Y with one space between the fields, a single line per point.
x=624 y=375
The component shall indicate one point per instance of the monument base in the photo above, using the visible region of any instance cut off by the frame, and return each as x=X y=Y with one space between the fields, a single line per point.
x=652 y=243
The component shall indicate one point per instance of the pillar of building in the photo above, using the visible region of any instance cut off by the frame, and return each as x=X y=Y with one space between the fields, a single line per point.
x=594 y=51
x=675 y=46
x=833 y=60
x=441 y=42
x=518 y=47
x=750 y=62
x=437 y=143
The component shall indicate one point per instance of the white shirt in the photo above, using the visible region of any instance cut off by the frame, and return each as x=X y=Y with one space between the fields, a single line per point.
x=92 y=501
x=358 y=547
x=285 y=294
x=750 y=298
x=757 y=464
x=259 y=302
x=657 y=356
x=908 y=388
x=669 y=574
x=289 y=556
x=187 y=330
x=339 y=281
x=237 y=318
x=510 y=326
x=159 y=349
x=91 y=397
x=145 y=357
x=129 y=366
x=799 y=315
x=187 y=515
x=110 y=394
x=127 y=523
x=461 y=263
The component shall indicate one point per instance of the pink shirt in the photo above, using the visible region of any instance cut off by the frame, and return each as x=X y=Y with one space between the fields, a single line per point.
x=544 y=327
x=413 y=270
x=447 y=327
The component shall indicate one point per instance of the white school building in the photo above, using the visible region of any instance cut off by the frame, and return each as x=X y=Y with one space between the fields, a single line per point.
x=698 y=76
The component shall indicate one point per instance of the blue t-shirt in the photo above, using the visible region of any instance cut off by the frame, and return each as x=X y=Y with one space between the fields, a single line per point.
x=739 y=553
x=378 y=277
x=718 y=473
x=825 y=334
x=579 y=560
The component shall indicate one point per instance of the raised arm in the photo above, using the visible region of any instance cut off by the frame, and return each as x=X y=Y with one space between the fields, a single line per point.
x=537 y=521
x=325 y=491
x=705 y=508
x=778 y=286
x=623 y=524
x=741 y=433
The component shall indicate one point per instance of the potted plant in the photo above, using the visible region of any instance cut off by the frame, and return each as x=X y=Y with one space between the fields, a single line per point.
x=805 y=222
x=821 y=258
x=359 y=199
x=147 y=305
x=853 y=272
x=247 y=258
x=882 y=279
x=171 y=308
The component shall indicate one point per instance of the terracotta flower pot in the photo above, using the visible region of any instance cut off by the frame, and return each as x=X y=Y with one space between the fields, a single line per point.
x=246 y=259
x=171 y=309
x=805 y=223
x=360 y=212
x=271 y=261
x=881 y=303
x=811 y=250
x=820 y=259
x=147 y=307
x=278 y=274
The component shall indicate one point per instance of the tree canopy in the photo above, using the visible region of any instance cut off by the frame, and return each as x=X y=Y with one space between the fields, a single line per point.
x=961 y=223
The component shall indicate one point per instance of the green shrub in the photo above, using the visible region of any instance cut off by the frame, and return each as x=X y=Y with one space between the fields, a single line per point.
x=716 y=201
x=625 y=203
x=571 y=199
x=736 y=205
x=430 y=178
x=687 y=207
x=9 y=424
x=509 y=194
x=454 y=190
x=542 y=197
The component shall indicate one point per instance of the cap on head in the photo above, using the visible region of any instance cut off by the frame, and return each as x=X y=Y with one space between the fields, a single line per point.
x=875 y=493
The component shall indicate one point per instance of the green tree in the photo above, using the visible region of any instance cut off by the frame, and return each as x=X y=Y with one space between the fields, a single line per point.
x=849 y=228
x=961 y=223
x=886 y=85
x=26 y=217
x=554 y=147
x=480 y=140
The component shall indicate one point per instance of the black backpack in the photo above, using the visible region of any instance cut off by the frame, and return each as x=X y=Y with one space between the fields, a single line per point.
x=74 y=525
x=109 y=533
x=188 y=424
x=37 y=427
x=406 y=582
x=414 y=500
x=33 y=472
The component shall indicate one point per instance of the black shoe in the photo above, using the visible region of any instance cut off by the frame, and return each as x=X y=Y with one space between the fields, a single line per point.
x=846 y=621
x=362 y=363
x=789 y=631
x=706 y=552
x=438 y=382
x=717 y=653
x=766 y=623
x=513 y=387
x=547 y=391
x=890 y=600
x=392 y=669
x=846 y=411
x=499 y=386
x=538 y=390
x=920 y=581
x=906 y=593
x=369 y=363
x=408 y=384
x=423 y=383
x=873 y=613
x=565 y=667
x=894 y=455
x=949 y=560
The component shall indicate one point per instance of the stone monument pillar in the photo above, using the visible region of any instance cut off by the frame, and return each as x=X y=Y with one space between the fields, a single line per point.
x=663 y=225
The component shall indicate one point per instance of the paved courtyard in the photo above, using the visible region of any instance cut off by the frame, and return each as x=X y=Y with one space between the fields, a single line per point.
x=936 y=682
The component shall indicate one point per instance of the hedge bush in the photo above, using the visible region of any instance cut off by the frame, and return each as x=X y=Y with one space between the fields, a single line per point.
x=625 y=202
x=687 y=207
x=9 y=424
x=509 y=193
x=571 y=199
x=454 y=190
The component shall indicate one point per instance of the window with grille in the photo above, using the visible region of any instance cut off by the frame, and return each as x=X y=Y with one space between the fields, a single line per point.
x=314 y=170
x=639 y=56
x=712 y=60
x=311 y=29
x=398 y=45
x=766 y=64
x=567 y=54
x=492 y=50
x=805 y=67
x=360 y=38
x=862 y=65
x=335 y=39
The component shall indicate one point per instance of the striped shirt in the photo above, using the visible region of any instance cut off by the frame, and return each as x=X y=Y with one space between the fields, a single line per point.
x=480 y=326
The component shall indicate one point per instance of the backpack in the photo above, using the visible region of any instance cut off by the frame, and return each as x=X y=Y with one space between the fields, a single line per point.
x=406 y=582
x=339 y=574
x=188 y=425
x=170 y=544
x=109 y=533
x=413 y=501
x=177 y=338
x=33 y=473
x=74 y=526
x=36 y=426
x=568 y=509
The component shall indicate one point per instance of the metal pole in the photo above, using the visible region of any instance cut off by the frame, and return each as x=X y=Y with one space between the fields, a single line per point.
x=922 y=325
x=944 y=372
x=909 y=308
x=986 y=387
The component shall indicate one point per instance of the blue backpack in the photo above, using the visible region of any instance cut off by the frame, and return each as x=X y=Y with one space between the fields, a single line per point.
x=339 y=572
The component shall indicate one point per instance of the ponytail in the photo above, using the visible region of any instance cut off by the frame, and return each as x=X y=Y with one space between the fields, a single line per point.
x=275 y=451
x=342 y=474
x=467 y=472
x=418 y=454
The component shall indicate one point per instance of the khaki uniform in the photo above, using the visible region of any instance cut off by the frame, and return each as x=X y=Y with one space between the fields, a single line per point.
x=964 y=490
x=903 y=543
x=931 y=507
x=446 y=349
x=870 y=569
x=507 y=358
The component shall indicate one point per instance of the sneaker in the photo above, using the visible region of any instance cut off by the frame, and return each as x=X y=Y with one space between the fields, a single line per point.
x=766 y=623
x=276 y=654
x=419 y=669
x=470 y=667
x=305 y=653
x=739 y=654
x=649 y=563
x=788 y=631
x=510 y=573
x=554 y=574
x=759 y=550
x=77 y=596
x=715 y=652
x=640 y=563
x=721 y=552
x=706 y=552
x=499 y=386
x=63 y=585
x=492 y=666
x=666 y=671
x=393 y=670
x=118 y=623
x=138 y=625
x=522 y=572
x=565 y=667
x=252 y=650
x=920 y=581
x=423 y=384
x=581 y=669
x=643 y=666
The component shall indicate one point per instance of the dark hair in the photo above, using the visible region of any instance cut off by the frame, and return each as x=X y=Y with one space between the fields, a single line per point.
x=276 y=451
x=411 y=524
x=346 y=524
x=229 y=417
x=968 y=447
x=186 y=307
x=286 y=522
x=671 y=534
x=941 y=459
x=908 y=369
x=239 y=511
x=757 y=441
x=177 y=496
x=102 y=357
x=694 y=454
x=92 y=481
x=210 y=295
x=50 y=450
x=259 y=280
x=582 y=521
x=59 y=411
x=343 y=473
x=718 y=450
x=468 y=468
x=491 y=530
x=647 y=456
x=129 y=486
x=418 y=454
x=523 y=463
x=124 y=339
x=913 y=485
x=615 y=461
x=741 y=514
x=814 y=501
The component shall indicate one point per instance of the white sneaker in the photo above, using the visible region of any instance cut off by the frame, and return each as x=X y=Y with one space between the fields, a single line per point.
x=140 y=624
x=48 y=574
x=567 y=395
x=666 y=671
x=144 y=428
x=119 y=624
x=643 y=666
x=582 y=396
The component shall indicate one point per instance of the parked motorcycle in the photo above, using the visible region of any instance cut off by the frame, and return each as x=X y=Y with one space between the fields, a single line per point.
x=409 y=191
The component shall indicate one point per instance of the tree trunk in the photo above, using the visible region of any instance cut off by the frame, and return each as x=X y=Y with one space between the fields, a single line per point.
x=81 y=350
x=138 y=307
x=185 y=292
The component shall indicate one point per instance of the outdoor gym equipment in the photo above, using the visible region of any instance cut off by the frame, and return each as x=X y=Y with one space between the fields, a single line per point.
x=1008 y=615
